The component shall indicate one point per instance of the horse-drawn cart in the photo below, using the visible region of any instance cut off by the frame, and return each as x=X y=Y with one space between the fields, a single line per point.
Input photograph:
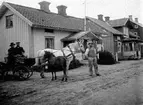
x=21 y=68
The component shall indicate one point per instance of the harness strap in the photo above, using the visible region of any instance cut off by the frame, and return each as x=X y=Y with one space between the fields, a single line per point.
x=63 y=53
x=66 y=56
x=71 y=52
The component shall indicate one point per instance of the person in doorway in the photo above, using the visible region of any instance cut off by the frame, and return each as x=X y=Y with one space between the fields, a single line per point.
x=91 y=54
x=11 y=54
x=19 y=50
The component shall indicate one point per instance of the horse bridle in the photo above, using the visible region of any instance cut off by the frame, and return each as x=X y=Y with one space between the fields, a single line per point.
x=80 y=46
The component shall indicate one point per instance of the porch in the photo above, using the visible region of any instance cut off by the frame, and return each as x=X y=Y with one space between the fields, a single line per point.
x=132 y=48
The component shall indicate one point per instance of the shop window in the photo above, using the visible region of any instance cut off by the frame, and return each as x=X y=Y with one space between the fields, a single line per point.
x=49 y=42
x=9 y=21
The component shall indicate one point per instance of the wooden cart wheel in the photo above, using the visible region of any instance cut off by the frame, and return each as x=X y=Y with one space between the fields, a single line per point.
x=22 y=72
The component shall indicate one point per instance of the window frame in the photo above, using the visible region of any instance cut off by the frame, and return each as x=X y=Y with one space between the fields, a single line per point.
x=46 y=41
x=8 y=22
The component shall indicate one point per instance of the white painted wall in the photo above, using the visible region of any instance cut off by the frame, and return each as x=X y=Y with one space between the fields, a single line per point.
x=19 y=32
x=39 y=39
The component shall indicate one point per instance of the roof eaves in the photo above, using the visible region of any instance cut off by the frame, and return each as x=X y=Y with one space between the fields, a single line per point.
x=56 y=28
x=17 y=13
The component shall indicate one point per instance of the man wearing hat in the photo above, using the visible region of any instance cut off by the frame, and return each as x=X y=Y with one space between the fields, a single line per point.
x=91 y=54
x=19 y=50
x=11 y=53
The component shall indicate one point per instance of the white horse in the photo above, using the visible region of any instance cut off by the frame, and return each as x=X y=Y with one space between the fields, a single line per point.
x=68 y=52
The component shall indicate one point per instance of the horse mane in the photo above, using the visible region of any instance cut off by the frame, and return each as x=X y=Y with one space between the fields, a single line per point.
x=48 y=54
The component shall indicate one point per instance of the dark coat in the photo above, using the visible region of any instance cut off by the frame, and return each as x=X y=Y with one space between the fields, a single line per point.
x=19 y=50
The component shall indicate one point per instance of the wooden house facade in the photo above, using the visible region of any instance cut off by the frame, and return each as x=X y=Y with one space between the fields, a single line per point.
x=131 y=43
x=112 y=42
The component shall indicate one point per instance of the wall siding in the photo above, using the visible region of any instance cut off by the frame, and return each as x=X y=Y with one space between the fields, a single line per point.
x=108 y=43
x=19 y=32
x=40 y=35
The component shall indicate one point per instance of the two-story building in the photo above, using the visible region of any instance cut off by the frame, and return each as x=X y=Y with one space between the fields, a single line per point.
x=131 y=44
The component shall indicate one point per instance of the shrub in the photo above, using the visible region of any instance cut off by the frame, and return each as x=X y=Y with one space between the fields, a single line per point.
x=105 y=57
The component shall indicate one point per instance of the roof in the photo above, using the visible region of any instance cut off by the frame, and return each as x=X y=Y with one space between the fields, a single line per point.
x=83 y=34
x=122 y=22
x=133 y=40
x=105 y=25
x=118 y=22
x=42 y=19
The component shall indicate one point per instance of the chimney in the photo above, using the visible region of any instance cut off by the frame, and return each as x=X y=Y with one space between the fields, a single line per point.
x=130 y=17
x=44 y=5
x=62 y=10
x=136 y=20
x=107 y=18
x=100 y=17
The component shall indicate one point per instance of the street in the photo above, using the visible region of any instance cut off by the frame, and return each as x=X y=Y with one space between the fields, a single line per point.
x=119 y=84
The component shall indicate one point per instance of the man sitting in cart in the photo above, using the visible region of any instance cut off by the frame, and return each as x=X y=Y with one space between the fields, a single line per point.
x=19 y=50
x=11 y=54
x=19 y=53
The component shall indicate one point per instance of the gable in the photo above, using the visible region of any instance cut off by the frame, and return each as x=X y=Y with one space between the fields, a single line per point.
x=5 y=6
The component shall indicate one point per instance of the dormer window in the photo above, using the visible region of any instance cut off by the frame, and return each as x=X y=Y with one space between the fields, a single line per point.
x=9 y=21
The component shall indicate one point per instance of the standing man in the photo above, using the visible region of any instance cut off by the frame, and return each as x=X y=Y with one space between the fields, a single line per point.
x=19 y=50
x=91 y=54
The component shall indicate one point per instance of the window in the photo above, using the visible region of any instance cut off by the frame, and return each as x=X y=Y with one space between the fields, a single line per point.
x=126 y=47
x=136 y=26
x=49 y=42
x=9 y=21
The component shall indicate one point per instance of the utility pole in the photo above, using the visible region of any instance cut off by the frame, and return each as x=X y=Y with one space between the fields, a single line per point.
x=84 y=15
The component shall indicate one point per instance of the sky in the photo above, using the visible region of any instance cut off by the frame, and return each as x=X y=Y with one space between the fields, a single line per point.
x=115 y=9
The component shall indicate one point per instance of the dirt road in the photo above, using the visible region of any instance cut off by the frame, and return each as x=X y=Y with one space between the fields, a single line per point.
x=119 y=84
